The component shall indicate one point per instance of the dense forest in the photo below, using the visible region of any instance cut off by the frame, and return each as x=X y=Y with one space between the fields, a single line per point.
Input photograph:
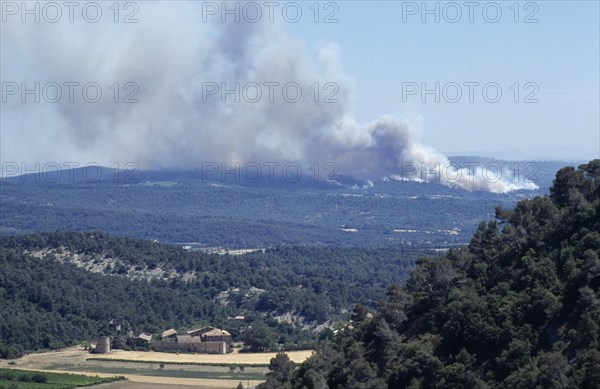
x=180 y=207
x=191 y=211
x=60 y=288
x=518 y=308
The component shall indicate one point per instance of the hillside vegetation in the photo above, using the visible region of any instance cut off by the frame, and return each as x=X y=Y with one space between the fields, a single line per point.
x=179 y=207
x=518 y=308
x=60 y=288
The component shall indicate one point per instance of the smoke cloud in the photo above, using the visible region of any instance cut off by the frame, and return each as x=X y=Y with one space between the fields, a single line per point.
x=184 y=69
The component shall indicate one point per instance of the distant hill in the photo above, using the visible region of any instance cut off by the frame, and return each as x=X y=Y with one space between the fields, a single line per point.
x=186 y=207
x=518 y=308
x=261 y=176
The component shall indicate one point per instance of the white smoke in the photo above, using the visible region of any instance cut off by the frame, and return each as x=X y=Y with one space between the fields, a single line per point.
x=172 y=55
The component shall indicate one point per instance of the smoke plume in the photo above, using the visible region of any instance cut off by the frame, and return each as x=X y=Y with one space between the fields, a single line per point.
x=180 y=122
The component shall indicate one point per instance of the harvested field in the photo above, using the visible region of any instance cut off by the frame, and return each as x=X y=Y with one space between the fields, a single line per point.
x=208 y=359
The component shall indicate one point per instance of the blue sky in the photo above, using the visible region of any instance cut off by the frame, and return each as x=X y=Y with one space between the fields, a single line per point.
x=560 y=53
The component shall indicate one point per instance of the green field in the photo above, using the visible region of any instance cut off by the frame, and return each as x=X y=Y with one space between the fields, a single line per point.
x=166 y=372
x=26 y=379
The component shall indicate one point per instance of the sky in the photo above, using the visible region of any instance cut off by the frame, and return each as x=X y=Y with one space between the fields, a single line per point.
x=560 y=53
x=373 y=59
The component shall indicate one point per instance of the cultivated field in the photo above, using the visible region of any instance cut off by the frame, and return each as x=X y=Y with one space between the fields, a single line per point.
x=209 y=359
x=157 y=370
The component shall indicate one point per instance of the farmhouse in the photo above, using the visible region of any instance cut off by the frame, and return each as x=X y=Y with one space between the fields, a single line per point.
x=145 y=337
x=200 y=331
x=143 y=340
x=202 y=340
x=217 y=335
x=170 y=333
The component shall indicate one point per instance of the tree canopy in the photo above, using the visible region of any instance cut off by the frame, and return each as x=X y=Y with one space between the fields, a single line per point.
x=518 y=307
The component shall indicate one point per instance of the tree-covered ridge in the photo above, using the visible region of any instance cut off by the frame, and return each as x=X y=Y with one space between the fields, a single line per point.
x=518 y=308
x=47 y=302
x=229 y=215
x=333 y=278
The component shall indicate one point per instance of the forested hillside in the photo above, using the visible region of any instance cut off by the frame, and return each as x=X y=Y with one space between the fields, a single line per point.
x=518 y=308
x=59 y=288
x=182 y=208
